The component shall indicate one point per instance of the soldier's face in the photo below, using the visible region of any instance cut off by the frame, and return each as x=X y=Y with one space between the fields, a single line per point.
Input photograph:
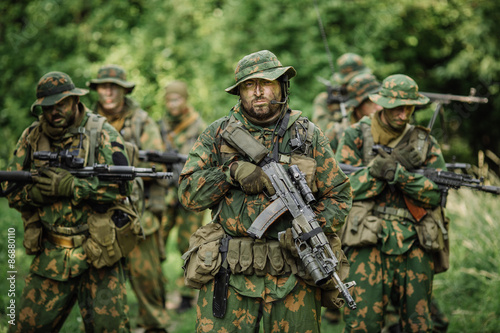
x=256 y=96
x=62 y=114
x=175 y=103
x=111 y=97
x=398 y=117
x=367 y=108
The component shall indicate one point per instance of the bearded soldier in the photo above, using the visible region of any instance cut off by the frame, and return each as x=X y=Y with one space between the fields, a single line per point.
x=265 y=285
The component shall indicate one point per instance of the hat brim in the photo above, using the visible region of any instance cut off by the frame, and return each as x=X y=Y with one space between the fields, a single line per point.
x=54 y=99
x=391 y=102
x=129 y=86
x=269 y=74
x=356 y=101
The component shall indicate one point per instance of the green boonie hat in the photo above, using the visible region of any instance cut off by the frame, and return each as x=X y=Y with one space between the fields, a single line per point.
x=111 y=74
x=398 y=90
x=349 y=65
x=360 y=87
x=52 y=88
x=262 y=65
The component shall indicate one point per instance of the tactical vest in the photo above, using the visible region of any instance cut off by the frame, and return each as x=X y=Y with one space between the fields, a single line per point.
x=299 y=143
x=413 y=135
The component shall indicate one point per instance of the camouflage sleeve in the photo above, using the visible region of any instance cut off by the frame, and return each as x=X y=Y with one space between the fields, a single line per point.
x=19 y=198
x=334 y=190
x=419 y=187
x=111 y=151
x=204 y=181
x=151 y=140
x=350 y=151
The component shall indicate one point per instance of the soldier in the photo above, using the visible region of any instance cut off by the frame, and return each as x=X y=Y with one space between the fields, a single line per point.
x=326 y=107
x=135 y=125
x=180 y=127
x=57 y=210
x=394 y=211
x=265 y=286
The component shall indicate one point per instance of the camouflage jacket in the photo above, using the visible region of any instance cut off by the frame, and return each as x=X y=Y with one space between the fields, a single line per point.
x=397 y=237
x=180 y=137
x=56 y=262
x=137 y=127
x=205 y=182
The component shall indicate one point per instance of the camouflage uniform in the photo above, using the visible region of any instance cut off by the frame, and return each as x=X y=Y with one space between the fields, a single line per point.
x=60 y=274
x=144 y=264
x=327 y=115
x=396 y=269
x=179 y=134
x=281 y=302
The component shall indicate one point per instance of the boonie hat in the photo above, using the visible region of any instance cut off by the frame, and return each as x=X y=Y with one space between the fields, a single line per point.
x=262 y=65
x=349 y=65
x=398 y=90
x=360 y=87
x=177 y=87
x=111 y=74
x=52 y=88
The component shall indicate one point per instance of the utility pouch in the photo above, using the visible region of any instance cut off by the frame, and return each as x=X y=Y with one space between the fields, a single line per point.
x=113 y=235
x=240 y=255
x=260 y=258
x=202 y=261
x=33 y=232
x=361 y=228
x=307 y=166
x=431 y=230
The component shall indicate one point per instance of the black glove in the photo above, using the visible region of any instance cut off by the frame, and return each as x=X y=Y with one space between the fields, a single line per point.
x=383 y=166
x=409 y=157
x=251 y=178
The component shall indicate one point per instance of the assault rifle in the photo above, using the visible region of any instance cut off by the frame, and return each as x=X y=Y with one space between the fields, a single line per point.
x=167 y=158
x=336 y=95
x=445 y=180
x=448 y=98
x=294 y=195
x=67 y=160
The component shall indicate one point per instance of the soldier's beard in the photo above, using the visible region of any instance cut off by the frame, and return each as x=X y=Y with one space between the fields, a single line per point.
x=264 y=116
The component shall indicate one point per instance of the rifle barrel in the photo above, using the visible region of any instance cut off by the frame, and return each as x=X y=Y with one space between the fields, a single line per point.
x=447 y=98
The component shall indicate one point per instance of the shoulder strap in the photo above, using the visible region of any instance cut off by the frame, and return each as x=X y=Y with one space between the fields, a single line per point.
x=94 y=128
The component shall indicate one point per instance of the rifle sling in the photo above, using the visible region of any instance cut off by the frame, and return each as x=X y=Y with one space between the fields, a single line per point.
x=306 y=236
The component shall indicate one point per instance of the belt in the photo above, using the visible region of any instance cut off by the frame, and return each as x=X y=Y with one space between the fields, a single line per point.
x=69 y=242
x=391 y=213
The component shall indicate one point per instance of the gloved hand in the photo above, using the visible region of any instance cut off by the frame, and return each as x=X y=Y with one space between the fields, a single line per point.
x=37 y=196
x=409 y=157
x=383 y=166
x=287 y=242
x=55 y=182
x=251 y=178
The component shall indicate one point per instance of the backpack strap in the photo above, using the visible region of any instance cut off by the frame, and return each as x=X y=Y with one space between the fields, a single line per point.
x=94 y=128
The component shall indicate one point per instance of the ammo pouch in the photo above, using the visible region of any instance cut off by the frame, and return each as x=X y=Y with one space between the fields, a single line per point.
x=33 y=232
x=361 y=228
x=202 y=261
x=113 y=235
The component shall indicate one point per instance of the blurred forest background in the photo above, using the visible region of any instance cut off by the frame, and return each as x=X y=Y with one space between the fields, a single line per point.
x=446 y=46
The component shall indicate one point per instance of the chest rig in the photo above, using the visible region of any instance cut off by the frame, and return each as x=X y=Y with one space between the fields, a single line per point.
x=415 y=136
x=82 y=143
x=294 y=148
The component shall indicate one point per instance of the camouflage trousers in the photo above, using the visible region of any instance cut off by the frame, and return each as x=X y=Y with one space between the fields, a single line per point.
x=101 y=296
x=403 y=280
x=187 y=222
x=148 y=282
x=297 y=312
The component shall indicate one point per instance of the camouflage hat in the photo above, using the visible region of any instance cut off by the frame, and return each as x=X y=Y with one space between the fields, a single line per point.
x=398 y=90
x=262 y=65
x=54 y=87
x=360 y=87
x=177 y=87
x=349 y=65
x=111 y=74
